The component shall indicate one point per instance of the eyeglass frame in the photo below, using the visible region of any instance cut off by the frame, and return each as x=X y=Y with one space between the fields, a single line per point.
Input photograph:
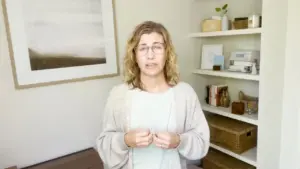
x=148 y=47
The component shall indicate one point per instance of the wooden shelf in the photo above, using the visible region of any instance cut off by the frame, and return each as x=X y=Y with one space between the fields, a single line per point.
x=248 y=156
x=226 y=112
x=227 y=74
x=226 y=33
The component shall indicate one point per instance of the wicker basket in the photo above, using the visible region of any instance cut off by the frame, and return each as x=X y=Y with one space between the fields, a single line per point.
x=211 y=25
x=231 y=134
x=240 y=24
x=218 y=160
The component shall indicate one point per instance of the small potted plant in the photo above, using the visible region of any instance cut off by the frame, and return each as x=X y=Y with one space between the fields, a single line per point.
x=223 y=11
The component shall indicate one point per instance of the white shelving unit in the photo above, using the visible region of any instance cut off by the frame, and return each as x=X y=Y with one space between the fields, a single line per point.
x=226 y=112
x=227 y=74
x=237 y=81
x=247 y=157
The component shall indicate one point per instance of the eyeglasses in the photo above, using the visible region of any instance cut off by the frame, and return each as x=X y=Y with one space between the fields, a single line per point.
x=156 y=49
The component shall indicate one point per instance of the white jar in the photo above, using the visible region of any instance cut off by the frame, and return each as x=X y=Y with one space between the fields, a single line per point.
x=253 y=21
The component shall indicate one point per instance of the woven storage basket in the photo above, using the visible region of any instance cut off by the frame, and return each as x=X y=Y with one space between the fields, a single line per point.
x=240 y=24
x=218 y=160
x=231 y=134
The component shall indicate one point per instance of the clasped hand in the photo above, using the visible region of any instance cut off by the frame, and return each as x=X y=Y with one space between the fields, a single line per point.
x=143 y=137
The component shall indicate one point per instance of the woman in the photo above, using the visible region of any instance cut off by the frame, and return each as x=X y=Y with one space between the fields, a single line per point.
x=152 y=121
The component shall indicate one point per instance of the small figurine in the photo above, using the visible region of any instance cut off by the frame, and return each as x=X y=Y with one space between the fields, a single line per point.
x=253 y=69
x=226 y=99
x=222 y=99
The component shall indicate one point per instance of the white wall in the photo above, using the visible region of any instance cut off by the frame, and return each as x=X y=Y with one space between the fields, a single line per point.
x=290 y=112
x=43 y=123
x=279 y=85
x=271 y=82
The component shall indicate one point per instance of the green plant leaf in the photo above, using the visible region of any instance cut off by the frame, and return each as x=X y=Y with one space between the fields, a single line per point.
x=225 y=6
x=218 y=9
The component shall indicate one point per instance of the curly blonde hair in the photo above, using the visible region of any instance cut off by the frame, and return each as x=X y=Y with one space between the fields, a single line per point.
x=131 y=68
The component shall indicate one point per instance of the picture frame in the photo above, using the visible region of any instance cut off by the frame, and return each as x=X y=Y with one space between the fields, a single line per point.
x=49 y=46
x=208 y=54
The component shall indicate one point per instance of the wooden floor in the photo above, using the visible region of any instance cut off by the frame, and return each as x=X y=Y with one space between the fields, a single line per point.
x=86 y=159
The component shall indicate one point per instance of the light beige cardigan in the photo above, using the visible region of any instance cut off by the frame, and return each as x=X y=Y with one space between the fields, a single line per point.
x=191 y=125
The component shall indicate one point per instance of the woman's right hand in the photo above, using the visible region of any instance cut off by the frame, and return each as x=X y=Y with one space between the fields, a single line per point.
x=138 y=138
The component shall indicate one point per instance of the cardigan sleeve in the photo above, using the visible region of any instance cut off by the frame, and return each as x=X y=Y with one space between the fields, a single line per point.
x=194 y=142
x=110 y=143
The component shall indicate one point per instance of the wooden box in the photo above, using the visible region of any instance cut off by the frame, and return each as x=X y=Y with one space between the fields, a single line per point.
x=231 y=134
x=238 y=108
x=218 y=160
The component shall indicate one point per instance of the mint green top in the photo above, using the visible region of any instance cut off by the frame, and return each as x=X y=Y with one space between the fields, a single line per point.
x=154 y=111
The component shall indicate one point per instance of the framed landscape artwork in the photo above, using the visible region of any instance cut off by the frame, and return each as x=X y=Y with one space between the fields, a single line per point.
x=59 y=41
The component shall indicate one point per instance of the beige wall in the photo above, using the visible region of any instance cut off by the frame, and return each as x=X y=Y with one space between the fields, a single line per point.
x=42 y=123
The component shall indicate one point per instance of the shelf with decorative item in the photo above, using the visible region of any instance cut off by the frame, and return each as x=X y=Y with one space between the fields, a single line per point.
x=226 y=112
x=249 y=156
x=227 y=74
x=248 y=31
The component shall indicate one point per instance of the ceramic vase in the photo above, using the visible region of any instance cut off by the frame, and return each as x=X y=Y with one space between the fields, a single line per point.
x=225 y=23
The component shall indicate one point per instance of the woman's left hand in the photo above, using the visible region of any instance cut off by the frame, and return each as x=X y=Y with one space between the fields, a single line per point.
x=166 y=140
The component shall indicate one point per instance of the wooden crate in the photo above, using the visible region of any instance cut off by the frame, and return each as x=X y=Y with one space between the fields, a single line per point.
x=218 y=160
x=231 y=134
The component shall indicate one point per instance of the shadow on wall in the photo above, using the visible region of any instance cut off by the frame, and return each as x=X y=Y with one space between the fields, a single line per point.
x=40 y=61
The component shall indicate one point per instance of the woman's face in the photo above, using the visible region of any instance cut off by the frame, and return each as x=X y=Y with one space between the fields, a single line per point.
x=150 y=54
